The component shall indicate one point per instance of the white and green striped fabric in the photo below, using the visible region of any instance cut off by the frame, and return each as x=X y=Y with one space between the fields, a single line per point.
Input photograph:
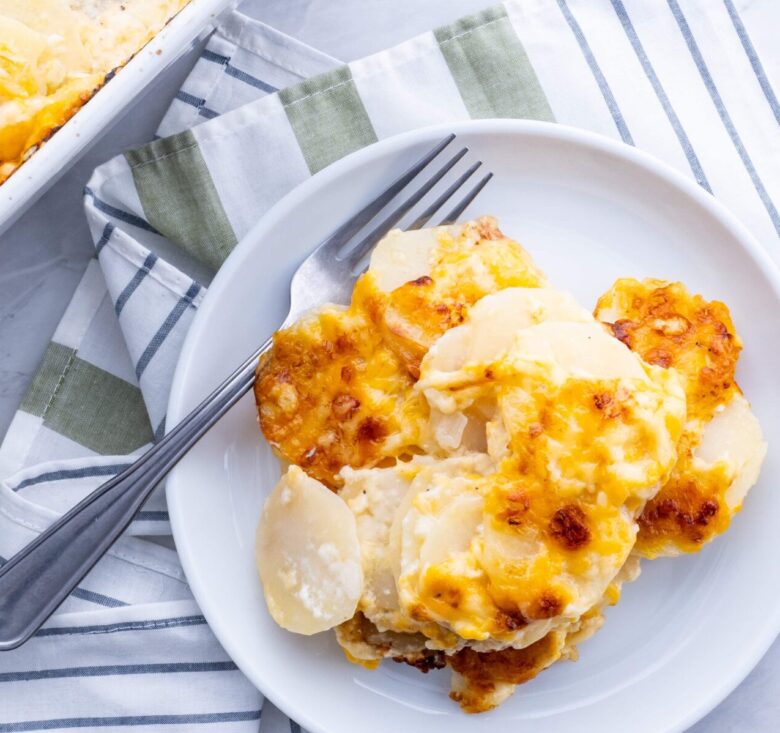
x=681 y=79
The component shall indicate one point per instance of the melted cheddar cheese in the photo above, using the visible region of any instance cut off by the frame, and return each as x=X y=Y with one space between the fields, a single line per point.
x=497 y=451
x=672 y=328
x=337 y=388
x=590 y=433
x=464 y=264
x=332 y=393
x=54 y=54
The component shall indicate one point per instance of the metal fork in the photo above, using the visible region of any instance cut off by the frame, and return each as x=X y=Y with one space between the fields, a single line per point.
x=38 y=579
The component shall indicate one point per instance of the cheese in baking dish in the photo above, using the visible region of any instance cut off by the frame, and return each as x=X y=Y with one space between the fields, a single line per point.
x=54 y=54
x=494 y=451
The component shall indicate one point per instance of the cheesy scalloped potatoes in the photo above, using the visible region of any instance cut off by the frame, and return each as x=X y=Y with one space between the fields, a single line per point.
x=54 y=55
x=499 y=457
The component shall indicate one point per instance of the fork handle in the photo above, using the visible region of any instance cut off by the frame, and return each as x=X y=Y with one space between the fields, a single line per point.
x=35 y=581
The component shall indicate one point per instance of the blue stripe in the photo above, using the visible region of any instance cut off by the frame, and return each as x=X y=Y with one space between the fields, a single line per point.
x=131 y=287
x=98 y=598
x=165 y=329
x=755 y=62
x=249 y=79
x=151 y=516
x=606 y=92
x=190 y=99
x=231 y=70
x=120 y=214
x=128 y=721
x=294 y=727
x=103 y=241
x=198 y=103
x=724 y=115
x=116 y=669
x=150 y=625
x=66 y=473
x=682 y=137
x=87 y=595
x=217 y=58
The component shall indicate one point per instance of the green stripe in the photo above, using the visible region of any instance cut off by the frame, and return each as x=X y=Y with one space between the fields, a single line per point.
x=87 y=404
x=491 y=68
x=55 y=363
x=179 y=197
x=327 y=117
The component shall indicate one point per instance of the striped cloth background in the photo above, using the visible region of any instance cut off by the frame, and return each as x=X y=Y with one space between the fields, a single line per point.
x=260 y=113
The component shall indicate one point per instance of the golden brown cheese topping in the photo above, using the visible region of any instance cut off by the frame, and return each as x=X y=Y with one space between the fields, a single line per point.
x=336 y=390
x=332 y=393
x=590 y=431
x=485 y=675
x=466 y=264
x=673 y=328
x=668 y=326
x=497 y=453
x=482 y=679
x=54 y=54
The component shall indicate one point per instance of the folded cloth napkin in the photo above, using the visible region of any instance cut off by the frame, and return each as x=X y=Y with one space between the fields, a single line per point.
x=681 y=79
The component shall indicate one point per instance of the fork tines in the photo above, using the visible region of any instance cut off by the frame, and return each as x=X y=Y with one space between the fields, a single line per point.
x=353 y=255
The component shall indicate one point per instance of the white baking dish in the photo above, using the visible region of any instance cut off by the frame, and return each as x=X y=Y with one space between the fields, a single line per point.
x=48 y=163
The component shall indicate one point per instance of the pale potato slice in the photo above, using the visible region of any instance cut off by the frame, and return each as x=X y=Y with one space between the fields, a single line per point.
x=493 y=322
x=553 y=350
x=403 y=256
x=515 y=557
x=444 y=479
x=308 y=555
x=497 y=438
x=455 y=370
x=582 y=350
x=734 y=435
x=474 y=437
x=452 y=531
x=458 y=433
x=373 y=496
x=448 y=429
x=437 y=538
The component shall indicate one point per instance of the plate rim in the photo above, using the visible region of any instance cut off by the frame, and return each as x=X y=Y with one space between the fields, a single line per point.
x=397 y=143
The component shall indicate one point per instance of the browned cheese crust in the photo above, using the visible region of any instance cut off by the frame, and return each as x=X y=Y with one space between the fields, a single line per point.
x=336 y=389
x=331 y=394
x=668 y=326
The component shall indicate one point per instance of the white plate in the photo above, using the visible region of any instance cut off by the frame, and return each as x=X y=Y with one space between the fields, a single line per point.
x=588 y=210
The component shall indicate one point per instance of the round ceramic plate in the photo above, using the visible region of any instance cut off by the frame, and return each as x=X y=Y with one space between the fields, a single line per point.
x=589 y=210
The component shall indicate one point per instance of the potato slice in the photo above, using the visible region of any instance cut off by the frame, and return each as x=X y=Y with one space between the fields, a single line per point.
x=583 y=350
x=734 y=435
x=448 y=429
x=308 y=555
x=453 y=531
x=445 y=479
x=373 y=496
x=403 y=256
x=494 y=321
x=459 y=358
